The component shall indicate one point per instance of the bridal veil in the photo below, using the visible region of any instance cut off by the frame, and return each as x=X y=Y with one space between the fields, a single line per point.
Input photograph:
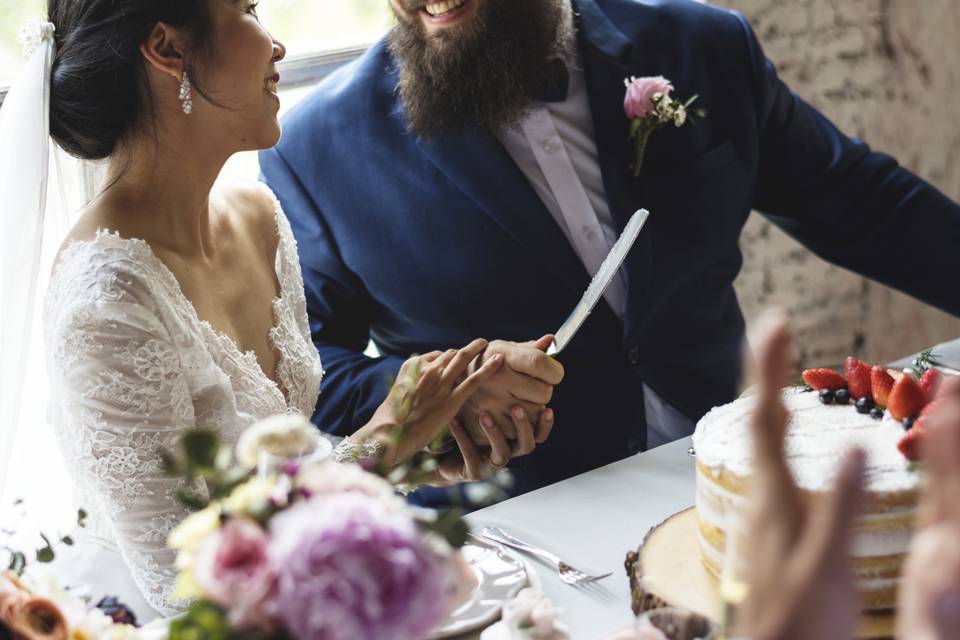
x=40 y=188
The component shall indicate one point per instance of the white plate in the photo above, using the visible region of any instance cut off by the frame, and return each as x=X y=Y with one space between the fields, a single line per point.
x=500 y=574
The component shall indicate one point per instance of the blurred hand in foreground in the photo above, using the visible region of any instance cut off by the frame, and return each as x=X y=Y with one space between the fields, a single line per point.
x=800 y=584
x=929 y=596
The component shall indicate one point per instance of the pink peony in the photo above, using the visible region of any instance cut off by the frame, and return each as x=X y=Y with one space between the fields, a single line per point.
x=232 y=566
x=638 y=101
x=351 y=568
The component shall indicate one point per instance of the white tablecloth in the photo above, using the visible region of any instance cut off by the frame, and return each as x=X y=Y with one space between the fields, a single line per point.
x=591 y=521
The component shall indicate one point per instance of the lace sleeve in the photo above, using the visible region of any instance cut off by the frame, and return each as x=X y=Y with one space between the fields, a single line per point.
x=119 y=395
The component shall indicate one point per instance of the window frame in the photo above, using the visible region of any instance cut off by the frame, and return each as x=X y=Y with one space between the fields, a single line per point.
x=301 y=70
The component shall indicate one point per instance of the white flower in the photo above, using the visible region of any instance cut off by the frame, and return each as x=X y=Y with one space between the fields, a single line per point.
x=532 y=615
x=284 y=436
x=194 y=529
x=680 y=115
x=646 y=631
x=664 y=110
x=327 y=478
x=93 y=626
x=33 y=34
x=252 y=495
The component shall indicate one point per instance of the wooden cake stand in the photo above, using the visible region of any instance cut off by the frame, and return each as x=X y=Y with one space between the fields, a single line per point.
x=673 y=575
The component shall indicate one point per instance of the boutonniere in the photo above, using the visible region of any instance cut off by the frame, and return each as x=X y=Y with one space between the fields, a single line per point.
x=649 y=106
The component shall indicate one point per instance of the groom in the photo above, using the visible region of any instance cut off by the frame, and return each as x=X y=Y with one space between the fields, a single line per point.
x=466 y=176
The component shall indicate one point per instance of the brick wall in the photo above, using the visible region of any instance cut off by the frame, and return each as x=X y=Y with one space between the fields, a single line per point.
x=887 y=71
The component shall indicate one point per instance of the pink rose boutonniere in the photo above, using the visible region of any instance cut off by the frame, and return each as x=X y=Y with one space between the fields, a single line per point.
x=649 y=106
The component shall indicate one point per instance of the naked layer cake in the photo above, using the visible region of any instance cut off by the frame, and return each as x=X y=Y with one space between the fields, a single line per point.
x=817 y=438
x=882 y=411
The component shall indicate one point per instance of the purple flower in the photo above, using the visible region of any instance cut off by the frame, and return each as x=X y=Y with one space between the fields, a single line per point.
x=233 y=568
x=350 y=567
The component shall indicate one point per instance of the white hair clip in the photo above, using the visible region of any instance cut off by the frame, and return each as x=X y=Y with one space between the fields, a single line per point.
x=33 y=34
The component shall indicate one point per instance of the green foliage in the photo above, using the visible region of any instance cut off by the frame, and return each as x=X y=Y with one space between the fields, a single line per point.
x=923 y=361
x=205 y=620
x=206 y=465
x=45 y=553
x=17 y=561
x=450 y=526
x=201 y=447
x=202 y=621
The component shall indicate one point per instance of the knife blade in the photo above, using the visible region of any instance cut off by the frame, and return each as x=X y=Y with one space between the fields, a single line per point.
x=605 y=274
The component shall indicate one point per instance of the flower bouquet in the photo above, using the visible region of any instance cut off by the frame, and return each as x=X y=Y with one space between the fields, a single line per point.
x=34 y=605
x=304 y=548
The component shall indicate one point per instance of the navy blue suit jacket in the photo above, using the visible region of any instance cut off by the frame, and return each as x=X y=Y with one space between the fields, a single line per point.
x=428 y=244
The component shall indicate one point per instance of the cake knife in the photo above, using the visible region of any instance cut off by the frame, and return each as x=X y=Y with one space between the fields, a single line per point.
x=605 y=274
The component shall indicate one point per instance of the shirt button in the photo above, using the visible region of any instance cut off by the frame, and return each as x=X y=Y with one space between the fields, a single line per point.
x=633 y=356
x=588 y=233
x=551 y=147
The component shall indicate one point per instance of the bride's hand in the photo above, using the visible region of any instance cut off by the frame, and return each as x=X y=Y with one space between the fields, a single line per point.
x=429 y=391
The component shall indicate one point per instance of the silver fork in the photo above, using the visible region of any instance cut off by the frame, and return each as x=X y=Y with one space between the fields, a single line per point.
x=568 y=574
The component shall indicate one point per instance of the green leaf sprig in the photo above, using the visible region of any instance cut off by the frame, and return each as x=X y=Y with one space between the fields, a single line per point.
x=18 y=560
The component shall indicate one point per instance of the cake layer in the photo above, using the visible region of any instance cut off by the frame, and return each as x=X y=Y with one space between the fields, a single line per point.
x=885 y=529
x=876 y=593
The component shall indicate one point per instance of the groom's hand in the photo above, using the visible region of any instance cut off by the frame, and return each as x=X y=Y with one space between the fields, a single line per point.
x=524 y=382
x=470 y=463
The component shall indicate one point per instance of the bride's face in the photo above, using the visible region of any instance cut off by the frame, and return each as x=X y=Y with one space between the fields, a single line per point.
x=241 y=77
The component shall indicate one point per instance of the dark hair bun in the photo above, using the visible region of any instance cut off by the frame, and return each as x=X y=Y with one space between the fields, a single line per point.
x=97 y=90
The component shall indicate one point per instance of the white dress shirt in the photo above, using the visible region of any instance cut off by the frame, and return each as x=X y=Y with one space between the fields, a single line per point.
x=555 y=148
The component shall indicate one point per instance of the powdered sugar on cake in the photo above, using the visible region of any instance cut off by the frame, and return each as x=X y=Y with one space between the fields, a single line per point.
x=817 y=439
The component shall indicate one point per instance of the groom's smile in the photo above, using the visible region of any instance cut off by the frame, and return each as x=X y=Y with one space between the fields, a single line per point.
x=436 y=15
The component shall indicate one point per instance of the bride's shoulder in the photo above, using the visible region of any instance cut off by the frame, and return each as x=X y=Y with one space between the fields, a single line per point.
x=252 y=207
x=251 y=203
x=104 y=230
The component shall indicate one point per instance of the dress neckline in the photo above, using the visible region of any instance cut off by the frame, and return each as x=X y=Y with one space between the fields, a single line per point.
x=248 y=357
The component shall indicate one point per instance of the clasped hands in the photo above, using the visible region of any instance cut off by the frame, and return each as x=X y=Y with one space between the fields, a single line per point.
x=492 y=396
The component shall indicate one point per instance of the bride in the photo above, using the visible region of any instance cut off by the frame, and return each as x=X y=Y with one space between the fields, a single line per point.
x=177 y=301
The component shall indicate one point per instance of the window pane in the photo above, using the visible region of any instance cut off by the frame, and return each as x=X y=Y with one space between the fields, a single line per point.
x=304 y=26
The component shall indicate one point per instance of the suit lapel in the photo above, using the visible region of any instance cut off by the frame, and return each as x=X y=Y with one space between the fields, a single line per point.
x=607 y=59
x=486 y=174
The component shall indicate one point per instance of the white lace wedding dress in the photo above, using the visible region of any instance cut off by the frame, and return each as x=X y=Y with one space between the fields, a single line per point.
x=132 y=365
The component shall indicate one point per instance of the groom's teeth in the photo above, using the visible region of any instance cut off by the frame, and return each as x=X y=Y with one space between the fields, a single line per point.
x=270 y=85
x=445 y=6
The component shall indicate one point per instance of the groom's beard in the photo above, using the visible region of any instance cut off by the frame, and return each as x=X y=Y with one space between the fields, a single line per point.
x=480 y=75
